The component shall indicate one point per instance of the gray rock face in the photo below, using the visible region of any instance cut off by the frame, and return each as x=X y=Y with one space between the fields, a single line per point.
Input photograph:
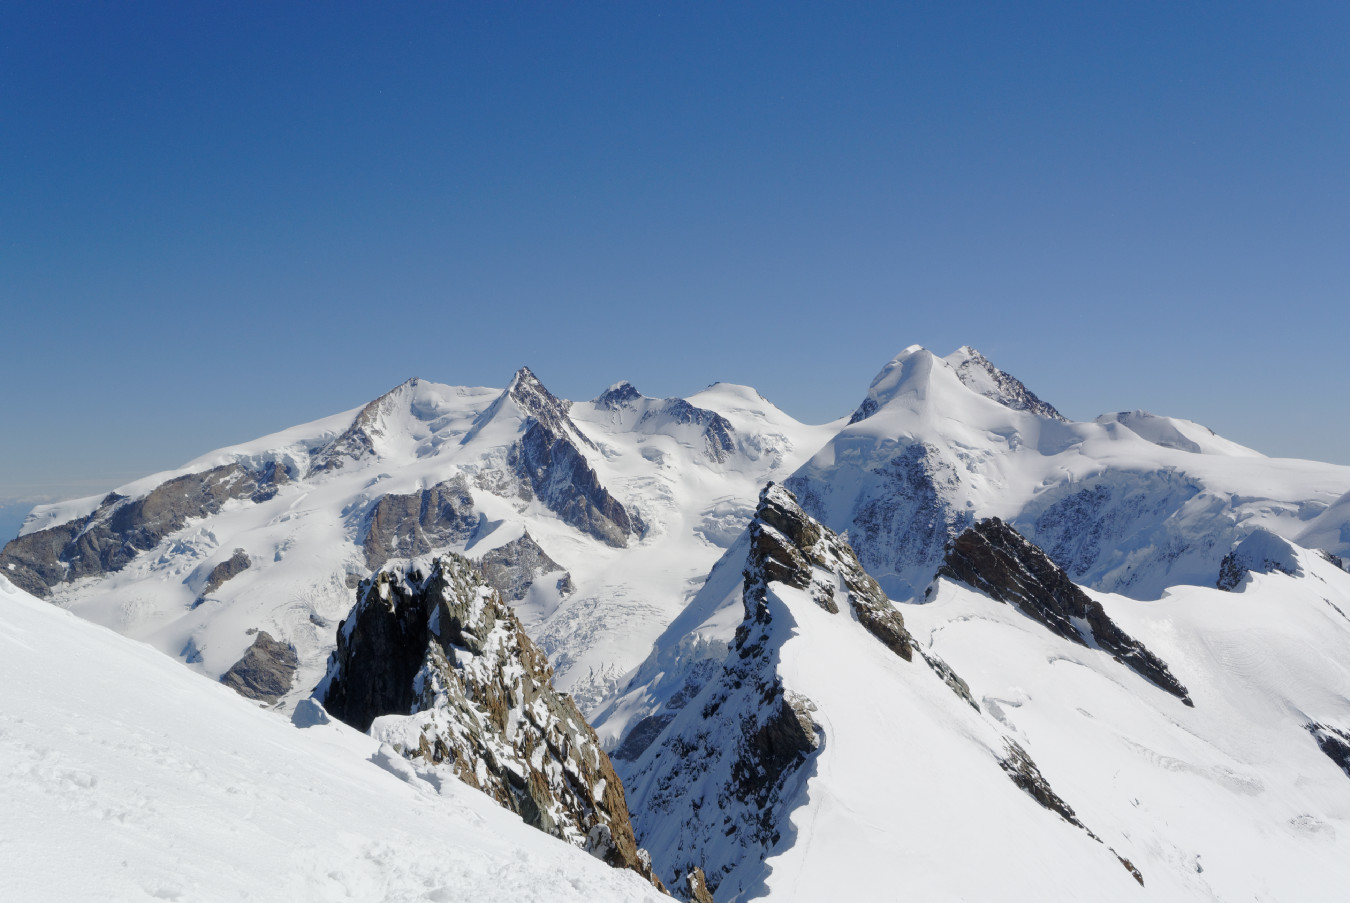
x=1334 y=742
x=513 y=568
x=437 y=665
x=552 y=468
x=1007 y=389
x=235 y=565
x=121 y=528
x=559 y=476
x=265 y=672
x=419 y=523
x=1261 y=552
x=995 y=559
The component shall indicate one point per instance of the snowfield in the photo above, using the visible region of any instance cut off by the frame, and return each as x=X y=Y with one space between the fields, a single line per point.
x=129 y=777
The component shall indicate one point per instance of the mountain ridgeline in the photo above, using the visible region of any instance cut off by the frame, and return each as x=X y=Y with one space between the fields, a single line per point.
x=748 y=657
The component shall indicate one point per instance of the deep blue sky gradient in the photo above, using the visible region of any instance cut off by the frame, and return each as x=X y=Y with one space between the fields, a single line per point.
x=219 y=220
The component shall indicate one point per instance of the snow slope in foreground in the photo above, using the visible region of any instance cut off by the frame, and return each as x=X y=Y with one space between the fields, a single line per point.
x=128 y=777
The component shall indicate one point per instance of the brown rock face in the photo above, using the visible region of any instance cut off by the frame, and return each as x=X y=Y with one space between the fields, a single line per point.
x=437 y=665
x=265 y=672
x=995 y=559
x=405 y=526
x=121 y=528
x=786 y=545
x=232 y=567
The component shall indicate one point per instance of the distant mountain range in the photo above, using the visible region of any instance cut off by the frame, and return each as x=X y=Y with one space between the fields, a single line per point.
x=950 y=646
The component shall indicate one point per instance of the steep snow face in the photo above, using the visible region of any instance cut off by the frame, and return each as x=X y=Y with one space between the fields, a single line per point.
x=822 y=745
x=170 y=786
x=602 y=526
x=1244 y=795
x=1234 y=799
x=1130 y=503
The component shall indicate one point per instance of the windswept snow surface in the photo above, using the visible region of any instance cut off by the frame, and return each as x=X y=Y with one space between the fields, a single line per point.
x=1231 y=800
x=128 y=777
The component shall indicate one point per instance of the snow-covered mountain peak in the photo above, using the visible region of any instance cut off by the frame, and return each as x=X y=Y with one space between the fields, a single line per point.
x=979 y=374
x=524 y=400
x=617 y=396
x=906 y=374
x=1262 y=552
x=914 y=375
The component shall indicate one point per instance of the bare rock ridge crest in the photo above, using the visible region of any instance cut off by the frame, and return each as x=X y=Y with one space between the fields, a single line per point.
x=995 y=559
x=748 y=752
x=549 y=460
x=432 y=661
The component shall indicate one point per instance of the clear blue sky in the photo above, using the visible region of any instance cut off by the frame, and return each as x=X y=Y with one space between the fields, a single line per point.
x=218 y=220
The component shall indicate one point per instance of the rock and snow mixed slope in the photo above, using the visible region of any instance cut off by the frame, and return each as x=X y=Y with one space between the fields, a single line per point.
x=856 y=767
x=812 y=760
x=598 y=519
x=1130 y=503
x=790 y=727
x=128 y=777
x=434 y=663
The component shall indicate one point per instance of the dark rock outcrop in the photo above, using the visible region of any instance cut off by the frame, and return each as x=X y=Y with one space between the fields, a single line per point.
x=121 y=528
x=787 y=545
x=995 y=559
x=437 y=665
x=1261 y=552
x=1018 y=765
x=1334 y=742
x=513 y=568
x=1331 y=558
x=233 y=566
x=419 y=523
x=266 y=670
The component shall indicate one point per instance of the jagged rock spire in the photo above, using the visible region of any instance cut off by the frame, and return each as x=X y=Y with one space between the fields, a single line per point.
x=433 y=662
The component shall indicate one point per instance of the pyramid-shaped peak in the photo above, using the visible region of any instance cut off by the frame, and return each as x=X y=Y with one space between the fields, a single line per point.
x=534 y=400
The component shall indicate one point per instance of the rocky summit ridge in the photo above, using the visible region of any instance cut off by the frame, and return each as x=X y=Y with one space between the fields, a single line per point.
x=433 y=662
